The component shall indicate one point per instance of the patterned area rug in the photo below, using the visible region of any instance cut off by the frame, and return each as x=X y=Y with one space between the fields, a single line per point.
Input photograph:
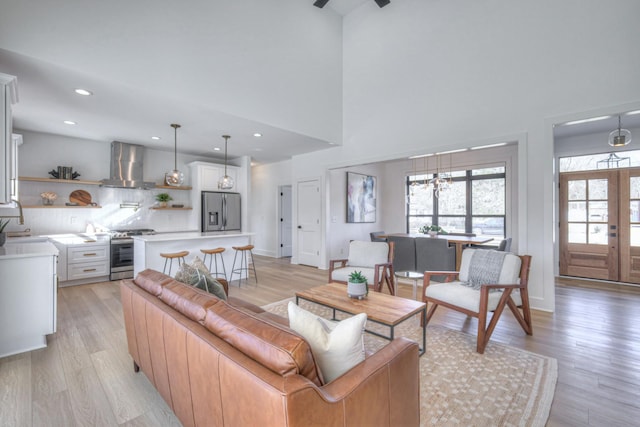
x=505 y=386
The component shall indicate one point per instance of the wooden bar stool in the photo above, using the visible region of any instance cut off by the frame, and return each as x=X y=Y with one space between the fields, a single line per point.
x=244 y=266
x=172 y=256
x=213 y=255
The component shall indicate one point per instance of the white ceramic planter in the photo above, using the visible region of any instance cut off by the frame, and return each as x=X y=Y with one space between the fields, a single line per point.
x=357 y=290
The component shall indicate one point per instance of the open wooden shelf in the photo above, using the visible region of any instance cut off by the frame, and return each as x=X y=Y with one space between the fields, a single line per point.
x=59 y=181
x=61 y=207
x=169 y=208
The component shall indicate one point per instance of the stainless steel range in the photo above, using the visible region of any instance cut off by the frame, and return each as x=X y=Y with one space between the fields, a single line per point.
x=122 y=252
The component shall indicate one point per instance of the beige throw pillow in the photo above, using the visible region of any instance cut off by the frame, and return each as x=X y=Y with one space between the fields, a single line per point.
x=337 y=346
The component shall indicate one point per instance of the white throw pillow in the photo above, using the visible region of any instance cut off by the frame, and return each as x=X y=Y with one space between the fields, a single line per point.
x=337 y=346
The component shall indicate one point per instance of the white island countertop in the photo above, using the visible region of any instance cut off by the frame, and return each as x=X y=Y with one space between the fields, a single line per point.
x=27 y=250
x=189 y=235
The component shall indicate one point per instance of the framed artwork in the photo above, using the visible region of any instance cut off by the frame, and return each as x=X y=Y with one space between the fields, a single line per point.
x=361 y=198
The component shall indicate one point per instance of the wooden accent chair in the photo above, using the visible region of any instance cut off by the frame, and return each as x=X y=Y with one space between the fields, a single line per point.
x=373 y=259
x=510 y=289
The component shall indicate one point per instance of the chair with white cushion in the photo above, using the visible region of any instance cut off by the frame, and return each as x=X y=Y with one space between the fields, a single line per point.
x=488 y=281
x=373 y=259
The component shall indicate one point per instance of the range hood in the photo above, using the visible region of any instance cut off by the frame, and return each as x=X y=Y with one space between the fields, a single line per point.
x=126 y=167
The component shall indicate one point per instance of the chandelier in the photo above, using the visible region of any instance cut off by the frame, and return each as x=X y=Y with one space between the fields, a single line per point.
x=619 y=137
x=226 y=182
x=174 y=178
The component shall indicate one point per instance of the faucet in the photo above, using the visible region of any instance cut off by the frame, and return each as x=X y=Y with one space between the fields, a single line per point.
x=20 y=216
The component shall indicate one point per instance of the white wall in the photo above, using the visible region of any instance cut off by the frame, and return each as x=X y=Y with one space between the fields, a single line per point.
x=263 y=217
x=444 y=75
x=41 y=153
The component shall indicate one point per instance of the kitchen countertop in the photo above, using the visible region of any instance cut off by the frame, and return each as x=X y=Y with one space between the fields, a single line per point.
x=27 y=250
x=189 y=235
x=78 y=238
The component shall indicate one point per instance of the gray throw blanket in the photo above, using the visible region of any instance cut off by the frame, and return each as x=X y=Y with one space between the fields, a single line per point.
x=485 y=268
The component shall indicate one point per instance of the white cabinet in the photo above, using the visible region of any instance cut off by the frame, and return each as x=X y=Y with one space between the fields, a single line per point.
x=28 y=296
x=208 y=175
x=82 y=260
x=8 y=146
x=88 y=261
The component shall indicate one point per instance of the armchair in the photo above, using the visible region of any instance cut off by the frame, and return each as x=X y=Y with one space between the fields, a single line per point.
x=373 y=259
x=456 y=293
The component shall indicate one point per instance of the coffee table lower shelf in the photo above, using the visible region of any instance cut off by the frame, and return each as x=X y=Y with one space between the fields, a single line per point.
x=391 y=326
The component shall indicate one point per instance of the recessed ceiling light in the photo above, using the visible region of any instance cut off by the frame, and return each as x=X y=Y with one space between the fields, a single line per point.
x=83 y=92
x=592 y=119
x=257 y=135
x=70 y=122
x=216 y=149
x=155 y=138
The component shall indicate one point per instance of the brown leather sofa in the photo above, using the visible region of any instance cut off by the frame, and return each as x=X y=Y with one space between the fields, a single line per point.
x=220 y=363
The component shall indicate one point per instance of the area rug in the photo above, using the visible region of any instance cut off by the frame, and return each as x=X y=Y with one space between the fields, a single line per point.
x=505 y=386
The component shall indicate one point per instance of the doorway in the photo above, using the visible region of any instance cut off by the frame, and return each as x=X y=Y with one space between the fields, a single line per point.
x=600 y=224
x=286 y=224
x=309 y=209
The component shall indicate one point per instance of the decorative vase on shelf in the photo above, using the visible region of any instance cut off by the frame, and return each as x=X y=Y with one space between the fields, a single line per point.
x=162 y=204
x=433 y=233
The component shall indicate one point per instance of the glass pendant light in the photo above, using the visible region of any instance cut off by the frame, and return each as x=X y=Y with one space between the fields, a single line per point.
x=619 y=137
x=226 y=182
x=174 y=178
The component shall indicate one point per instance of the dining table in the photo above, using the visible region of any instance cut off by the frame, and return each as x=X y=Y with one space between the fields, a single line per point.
x=457 y=240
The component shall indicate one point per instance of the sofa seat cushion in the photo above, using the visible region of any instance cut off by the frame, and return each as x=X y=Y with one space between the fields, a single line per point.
x=460 y=295
x=152 y=281
x=188 y=300
x=338 y=346
x=342 y=274
x=276 y=347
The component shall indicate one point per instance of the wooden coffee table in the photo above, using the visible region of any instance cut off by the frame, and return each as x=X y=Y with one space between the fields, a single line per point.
x=387 y=310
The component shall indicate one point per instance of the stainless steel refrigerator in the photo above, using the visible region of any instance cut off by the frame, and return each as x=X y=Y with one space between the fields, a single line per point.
x=220 y=211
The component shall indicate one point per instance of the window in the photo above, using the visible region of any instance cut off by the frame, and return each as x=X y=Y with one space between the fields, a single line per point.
x=474 y=202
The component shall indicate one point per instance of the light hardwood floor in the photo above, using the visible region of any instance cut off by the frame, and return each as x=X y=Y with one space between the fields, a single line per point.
x=85 y=377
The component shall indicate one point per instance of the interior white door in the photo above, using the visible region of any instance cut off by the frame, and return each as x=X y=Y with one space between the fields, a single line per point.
x=309 y=207
x=286 y=223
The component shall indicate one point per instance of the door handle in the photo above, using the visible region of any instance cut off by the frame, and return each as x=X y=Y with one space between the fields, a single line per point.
x=300 y=226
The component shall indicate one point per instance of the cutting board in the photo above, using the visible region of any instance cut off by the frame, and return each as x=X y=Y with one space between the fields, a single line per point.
x=81 y=197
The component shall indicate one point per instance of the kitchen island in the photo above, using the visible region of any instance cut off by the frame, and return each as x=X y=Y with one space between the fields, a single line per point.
x=147 y=248
x=28 y=296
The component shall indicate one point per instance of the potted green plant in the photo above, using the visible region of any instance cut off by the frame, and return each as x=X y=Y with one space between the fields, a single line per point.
x=357 y=285
x=163 y=198
x=432 y=230
x=3 y=235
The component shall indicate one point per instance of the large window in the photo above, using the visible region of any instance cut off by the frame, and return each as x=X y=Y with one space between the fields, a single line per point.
x=473 y=202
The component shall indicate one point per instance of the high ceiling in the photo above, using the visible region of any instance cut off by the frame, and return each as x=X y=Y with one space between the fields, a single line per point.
x=215 y=67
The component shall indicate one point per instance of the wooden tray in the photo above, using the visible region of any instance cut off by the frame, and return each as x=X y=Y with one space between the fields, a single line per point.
x=81 y=197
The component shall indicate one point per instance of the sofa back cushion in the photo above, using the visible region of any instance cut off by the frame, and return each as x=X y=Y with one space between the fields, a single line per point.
x=189 y=301
x=367 y=254
x=152 y=281
x=509 y=273
x=276 y=347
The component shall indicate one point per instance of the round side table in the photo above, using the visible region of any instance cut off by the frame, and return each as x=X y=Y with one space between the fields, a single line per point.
x=411 y=275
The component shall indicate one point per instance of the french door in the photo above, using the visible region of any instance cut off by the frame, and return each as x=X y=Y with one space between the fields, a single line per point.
x=600 y=224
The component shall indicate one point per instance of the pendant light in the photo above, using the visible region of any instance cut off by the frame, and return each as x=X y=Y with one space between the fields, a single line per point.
x=175 y=178
x=226 y=182
x=619 y=137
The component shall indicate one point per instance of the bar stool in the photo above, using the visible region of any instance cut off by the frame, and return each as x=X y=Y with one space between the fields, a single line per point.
x=213 y=255
x=172 y=256
x=243 y=263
